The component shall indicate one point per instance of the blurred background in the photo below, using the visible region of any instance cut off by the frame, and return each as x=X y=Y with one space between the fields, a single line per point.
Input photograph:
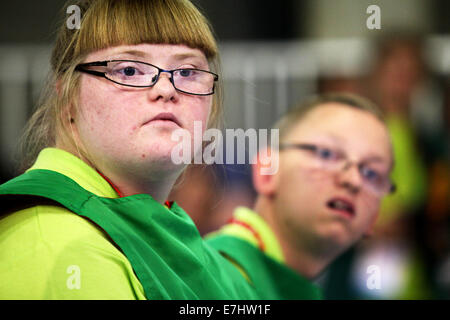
x=275 y=54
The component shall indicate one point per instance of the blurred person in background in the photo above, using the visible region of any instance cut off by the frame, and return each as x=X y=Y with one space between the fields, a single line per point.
x=437 y=219
x=197 y=193
x=397 y=75
x=399 y=248
x=335 y=159
x=210 y=194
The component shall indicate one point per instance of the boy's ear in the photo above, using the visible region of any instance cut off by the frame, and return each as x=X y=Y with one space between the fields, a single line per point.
x=265 y=184
x=371 y=230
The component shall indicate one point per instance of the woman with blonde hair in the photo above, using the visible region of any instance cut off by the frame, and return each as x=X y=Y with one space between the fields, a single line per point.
x=88 y=217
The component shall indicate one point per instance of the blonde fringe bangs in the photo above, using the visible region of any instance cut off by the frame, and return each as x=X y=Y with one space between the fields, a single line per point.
x=108 y=23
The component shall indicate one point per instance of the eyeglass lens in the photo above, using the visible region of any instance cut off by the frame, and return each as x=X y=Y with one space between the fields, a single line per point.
x=142 y=74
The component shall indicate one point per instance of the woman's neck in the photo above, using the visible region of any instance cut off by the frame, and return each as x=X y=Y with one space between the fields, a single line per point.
x=127 y=182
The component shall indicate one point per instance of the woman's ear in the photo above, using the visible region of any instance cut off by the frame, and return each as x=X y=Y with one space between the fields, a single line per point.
x=265 y=178
x=58 y=87
x=68 y=114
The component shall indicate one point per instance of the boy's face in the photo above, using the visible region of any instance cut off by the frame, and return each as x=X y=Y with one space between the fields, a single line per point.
x=324 y=208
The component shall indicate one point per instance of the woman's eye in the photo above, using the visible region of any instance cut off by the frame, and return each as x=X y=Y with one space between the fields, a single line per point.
x=126 y=71
x=186 y=72
x=129 y=71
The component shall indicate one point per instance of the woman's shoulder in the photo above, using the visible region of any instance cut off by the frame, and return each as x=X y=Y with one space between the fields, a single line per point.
x=51 y=224
x=45 y=245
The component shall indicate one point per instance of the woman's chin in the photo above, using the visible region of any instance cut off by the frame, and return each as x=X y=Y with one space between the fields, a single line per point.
x=160 y=158
x=154 y=157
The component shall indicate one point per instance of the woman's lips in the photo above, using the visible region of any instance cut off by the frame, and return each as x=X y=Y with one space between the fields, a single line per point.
x=164 y=117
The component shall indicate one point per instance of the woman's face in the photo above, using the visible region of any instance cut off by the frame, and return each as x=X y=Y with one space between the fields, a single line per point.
x=115 y=123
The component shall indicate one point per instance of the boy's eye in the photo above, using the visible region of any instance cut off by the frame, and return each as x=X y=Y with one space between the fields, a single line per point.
x=325 y=153
x=370 y=174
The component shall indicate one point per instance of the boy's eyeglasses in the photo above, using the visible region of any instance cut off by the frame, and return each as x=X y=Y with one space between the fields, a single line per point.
x=334 y=160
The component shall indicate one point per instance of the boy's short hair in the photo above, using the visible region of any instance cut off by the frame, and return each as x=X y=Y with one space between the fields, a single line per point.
x=295 y=114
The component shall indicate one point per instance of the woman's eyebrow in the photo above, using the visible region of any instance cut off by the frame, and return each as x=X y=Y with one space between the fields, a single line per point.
x=184 y=56
x=178 y=57
x=136 y=53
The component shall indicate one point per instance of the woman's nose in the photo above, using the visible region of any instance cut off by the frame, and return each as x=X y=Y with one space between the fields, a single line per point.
x=163 y=88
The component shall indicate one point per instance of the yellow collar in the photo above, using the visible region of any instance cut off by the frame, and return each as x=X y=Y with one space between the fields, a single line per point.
x=250 y=226
x=69 y=165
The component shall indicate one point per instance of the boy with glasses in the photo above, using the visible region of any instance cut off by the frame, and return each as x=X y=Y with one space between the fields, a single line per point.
x=335 y=157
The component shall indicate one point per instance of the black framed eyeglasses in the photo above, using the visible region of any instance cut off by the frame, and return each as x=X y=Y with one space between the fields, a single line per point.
x=334 y=160
x=139 y=74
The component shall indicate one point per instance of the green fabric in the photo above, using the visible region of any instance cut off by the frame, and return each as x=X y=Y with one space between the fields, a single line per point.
x=272 y=247
x=270 y=279
x=162 y=245
x=37 y=259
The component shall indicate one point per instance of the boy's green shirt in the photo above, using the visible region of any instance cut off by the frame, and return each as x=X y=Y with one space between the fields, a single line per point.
x=250 y=244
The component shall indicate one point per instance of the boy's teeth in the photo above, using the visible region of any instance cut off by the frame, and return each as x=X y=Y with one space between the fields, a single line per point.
x=337 y=204
x=341 y=205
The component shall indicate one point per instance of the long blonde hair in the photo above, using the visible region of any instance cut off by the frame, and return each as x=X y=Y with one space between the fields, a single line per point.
x=107 y=23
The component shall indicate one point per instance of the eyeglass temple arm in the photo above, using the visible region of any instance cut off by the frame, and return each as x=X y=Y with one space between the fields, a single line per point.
x=80 y=67
x=95 y=73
